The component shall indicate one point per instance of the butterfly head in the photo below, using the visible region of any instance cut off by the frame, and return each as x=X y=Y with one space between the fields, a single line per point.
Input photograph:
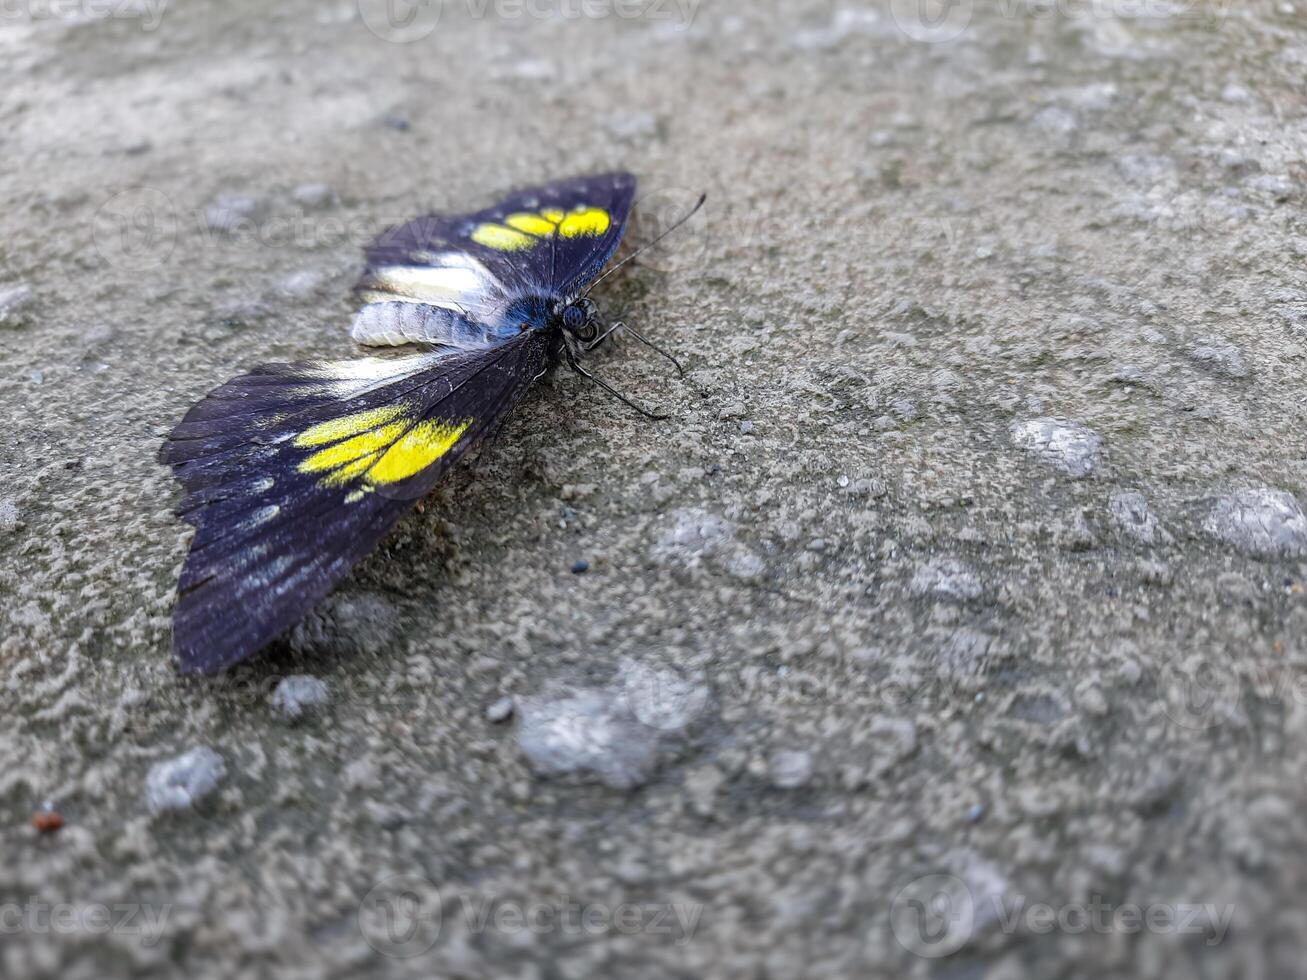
x=581 y=319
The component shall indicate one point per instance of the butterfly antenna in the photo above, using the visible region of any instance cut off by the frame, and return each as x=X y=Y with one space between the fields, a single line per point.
x=654 y=347
x=648 y=245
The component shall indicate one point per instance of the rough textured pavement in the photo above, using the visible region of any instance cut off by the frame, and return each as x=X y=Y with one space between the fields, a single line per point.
x=952 y=628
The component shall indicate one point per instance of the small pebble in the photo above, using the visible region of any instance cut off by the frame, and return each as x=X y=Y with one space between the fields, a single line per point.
x=1261 y=521
x=1068 y=446
x=312 y=195
x=976 y=813
x=580 y=566
x=300 y=693
x=946 y=578
x=180 y=783
x=500 y=711
x=14 y=302
x=1130 y=510
x=228 y=212
x=790 y=769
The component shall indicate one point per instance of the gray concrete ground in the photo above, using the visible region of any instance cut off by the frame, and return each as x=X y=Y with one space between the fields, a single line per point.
x=952 y=628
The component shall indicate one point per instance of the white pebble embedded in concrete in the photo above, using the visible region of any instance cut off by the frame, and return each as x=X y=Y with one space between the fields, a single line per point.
x=587 y=731
x=946 y=578
x=1263 y=522
x=180 y=783
x=14 y=302
x=1071 y=447
x=1130 y=511
x=300 y=693
x=790 y=769
x=500 y=711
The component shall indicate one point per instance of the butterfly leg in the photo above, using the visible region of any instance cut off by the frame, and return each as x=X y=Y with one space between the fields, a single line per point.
x=576 y=366
x=621 y=325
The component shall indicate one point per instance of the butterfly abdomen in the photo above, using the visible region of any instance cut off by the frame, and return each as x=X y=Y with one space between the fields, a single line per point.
x=392 y=324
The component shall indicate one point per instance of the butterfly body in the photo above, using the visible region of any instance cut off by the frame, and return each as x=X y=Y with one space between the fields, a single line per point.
x=293 y=472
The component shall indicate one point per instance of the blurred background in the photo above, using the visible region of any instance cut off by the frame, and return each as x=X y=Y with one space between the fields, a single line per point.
x=951 y=628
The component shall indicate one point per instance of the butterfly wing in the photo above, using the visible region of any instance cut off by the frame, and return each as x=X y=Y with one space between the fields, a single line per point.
x=294 y=471
x=473 y=279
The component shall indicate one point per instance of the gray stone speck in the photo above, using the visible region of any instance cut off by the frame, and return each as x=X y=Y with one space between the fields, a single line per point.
x=14 y=303
x=299 y=693
x=1262 y=521
x=661 y=699
x=228 y=212
x=790 y=769
x=693 y=536
x=590 y=730
x=1220 y=358
x=1130 y=511
x=633 y=126
x=300 y=285
x=946 y=578
x=180 y=783
x=500 y=711
x=1071 y=447
x=312 y=195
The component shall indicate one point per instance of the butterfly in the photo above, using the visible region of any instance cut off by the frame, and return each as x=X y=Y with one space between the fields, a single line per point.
x=293 y=472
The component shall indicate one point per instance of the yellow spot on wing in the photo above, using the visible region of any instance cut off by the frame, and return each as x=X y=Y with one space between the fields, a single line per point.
x=585 y=221
x=351 y=456
x=552 y=214
x=532 y=224
x=334 y=430
x=417 y=449
x=501 y=238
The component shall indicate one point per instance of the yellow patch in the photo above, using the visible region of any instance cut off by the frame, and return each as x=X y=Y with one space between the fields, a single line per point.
x=522 y=230
x=334 y=430
x=500 y=238
x=585 y=221
x=352 y=456
x=416 y=449
x=532 y=224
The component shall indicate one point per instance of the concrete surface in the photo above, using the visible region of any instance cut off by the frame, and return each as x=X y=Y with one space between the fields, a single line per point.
x=953 y=628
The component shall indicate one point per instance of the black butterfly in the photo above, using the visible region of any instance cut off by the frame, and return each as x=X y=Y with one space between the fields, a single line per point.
x=294 y=471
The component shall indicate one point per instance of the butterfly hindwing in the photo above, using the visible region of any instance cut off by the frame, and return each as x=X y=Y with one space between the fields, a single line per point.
x=294 y=472
x=463 y=280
